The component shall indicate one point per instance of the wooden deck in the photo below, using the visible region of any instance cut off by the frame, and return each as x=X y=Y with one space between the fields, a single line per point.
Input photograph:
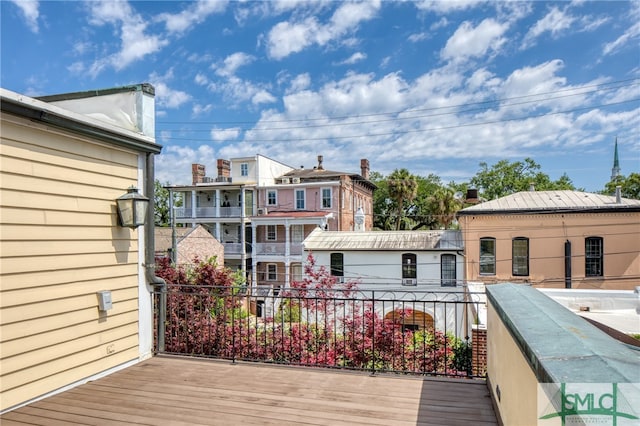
x=184 y=391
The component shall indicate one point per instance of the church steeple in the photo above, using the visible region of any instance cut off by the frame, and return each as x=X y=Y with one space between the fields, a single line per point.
x=615 y=171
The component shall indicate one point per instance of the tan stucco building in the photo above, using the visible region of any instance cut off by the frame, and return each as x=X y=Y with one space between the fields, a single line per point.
x=554 y=239
x=64 y=160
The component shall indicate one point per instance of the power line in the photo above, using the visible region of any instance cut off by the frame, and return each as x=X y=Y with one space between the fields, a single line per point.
x=603 y=87
x=404 y=132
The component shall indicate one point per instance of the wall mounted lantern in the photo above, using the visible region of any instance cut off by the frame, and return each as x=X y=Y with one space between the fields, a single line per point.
x=132 y=208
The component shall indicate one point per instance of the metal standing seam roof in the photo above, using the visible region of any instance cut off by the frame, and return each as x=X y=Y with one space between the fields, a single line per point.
x=384 y=240
x=536 y=201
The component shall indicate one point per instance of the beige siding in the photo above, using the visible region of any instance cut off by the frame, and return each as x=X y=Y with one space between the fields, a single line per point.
x=60 y=244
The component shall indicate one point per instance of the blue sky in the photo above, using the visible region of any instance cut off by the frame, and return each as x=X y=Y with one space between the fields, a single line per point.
x=435 y=87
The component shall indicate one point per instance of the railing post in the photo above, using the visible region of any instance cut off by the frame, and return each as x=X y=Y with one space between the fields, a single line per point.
x=162 y=317
x=373 y=329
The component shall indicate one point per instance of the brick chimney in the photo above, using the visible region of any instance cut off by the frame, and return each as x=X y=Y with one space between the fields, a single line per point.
x=364 y=168
x=224 y=168
x=197 y=173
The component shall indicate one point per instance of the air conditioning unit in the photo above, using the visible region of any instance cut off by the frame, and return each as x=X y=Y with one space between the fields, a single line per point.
x=295 y=180
x=262 y=211
x=409 y=281
x=285 y=180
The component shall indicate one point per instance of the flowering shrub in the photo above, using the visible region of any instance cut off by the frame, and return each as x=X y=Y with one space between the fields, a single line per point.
x=317 y=322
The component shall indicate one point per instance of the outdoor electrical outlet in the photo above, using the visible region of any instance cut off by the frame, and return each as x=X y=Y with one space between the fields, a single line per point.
x=104 y=300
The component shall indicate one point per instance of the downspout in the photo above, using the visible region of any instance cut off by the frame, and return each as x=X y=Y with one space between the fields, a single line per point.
x=567 y=264
x=160 y=285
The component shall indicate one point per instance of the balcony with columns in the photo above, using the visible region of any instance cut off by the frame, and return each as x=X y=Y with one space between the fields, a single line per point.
x=209 y=205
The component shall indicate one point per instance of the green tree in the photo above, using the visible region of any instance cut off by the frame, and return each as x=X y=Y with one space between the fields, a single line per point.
x=161 y=199
x=444 y=205
x=421 y=209
x=403 y=188
x=384 y=208
x=629 y=186
x=504 y=178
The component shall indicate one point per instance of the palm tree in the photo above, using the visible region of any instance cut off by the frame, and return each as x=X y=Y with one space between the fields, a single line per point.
x=444 y=205
x=403 y=187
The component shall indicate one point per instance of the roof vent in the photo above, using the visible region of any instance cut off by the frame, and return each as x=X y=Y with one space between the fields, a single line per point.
x=532 y=187
x=618 y=194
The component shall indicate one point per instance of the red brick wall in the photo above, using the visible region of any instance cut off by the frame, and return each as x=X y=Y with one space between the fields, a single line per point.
x=479 y=351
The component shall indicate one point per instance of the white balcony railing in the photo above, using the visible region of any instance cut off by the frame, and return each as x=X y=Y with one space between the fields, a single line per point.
x=207 y=212
x=278 y=249
x=232 y=248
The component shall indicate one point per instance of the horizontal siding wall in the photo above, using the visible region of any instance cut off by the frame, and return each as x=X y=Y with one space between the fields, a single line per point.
x=59 y=245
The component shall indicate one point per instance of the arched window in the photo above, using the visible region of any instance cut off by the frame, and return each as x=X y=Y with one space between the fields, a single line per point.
x=593 y=257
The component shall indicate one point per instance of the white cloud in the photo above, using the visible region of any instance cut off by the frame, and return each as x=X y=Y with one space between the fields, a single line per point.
x=355 y=58
x=231 y=63
x=262 y=97
x=218 y=134
x=443 y=22
x=534 y=80
x=30 y=13
x=631 y=34
x=135 y=44
x=169 y=98
x=201 y=79
x=76 y=68
x=555 y=22
x=286 y=38
x=173 y=165
x=80 y=47
x=165 y=96
x=236 y=91
x=299 y=83
x=195 y=14
x=447 y=6
x=590 y=23
x=468 y=41
x=198 y=109
x=414 y=38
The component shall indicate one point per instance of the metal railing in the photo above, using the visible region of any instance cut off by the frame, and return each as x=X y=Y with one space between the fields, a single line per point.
x=207 y=212
x=410 y=332
x=278 y=249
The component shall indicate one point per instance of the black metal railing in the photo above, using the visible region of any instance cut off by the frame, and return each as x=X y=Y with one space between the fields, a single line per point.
x=411 y=332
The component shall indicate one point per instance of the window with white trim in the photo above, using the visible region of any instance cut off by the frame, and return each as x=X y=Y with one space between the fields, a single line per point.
x=272 y=197
x=244 y=169
x=272 y=272
x=271 y=233
x=300 y=199
x=326 y=198
x=297 y=233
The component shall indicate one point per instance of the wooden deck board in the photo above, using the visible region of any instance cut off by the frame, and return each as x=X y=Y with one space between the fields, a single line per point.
x=187 y=391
